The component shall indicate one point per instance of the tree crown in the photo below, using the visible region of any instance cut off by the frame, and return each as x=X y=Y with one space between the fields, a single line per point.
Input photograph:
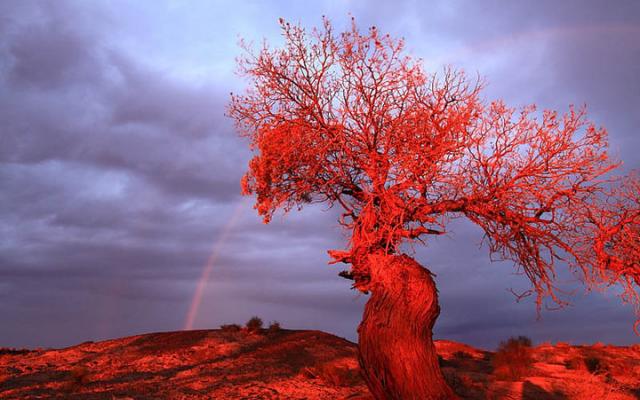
x=351 y=120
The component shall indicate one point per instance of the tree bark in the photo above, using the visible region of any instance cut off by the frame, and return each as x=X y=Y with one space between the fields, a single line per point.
x=397 y=355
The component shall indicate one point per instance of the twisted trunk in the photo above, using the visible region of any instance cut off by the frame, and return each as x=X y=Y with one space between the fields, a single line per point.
x=397 y=355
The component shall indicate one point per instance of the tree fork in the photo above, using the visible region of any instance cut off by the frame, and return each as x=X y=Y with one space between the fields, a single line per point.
x=397 y=355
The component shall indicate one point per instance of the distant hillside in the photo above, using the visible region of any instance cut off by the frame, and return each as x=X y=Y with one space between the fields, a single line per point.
x=285 y=364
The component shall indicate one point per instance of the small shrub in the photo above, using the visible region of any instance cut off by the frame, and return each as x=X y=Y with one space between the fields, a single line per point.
x=274 y=327
x=12 y=351
x=230 y=328
x=513 y=358
x=254 y=325
x=593 y=364
x=523 y=340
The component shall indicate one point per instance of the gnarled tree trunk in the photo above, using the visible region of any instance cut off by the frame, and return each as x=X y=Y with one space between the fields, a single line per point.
x=397 y=355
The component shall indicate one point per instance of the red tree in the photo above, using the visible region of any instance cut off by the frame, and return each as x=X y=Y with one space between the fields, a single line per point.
x=350 y=120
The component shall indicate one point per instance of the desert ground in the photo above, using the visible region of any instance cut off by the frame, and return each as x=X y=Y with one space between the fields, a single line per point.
x=238 y=363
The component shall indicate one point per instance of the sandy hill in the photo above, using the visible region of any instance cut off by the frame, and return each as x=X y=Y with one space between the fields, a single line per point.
x=286 y=364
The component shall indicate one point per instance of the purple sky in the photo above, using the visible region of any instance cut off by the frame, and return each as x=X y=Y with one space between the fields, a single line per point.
x=119 y=171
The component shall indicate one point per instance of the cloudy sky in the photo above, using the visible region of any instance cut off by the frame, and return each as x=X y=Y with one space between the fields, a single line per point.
x=119 y=174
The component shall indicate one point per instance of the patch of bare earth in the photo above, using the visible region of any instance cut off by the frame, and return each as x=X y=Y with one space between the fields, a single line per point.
x=560 y=372
x=235 y=364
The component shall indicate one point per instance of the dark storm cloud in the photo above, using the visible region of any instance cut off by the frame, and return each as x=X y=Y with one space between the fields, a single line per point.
x=119 y=176
x=158 y=100
x=588 y=54
x=48 y=53
x=114 y=175
x=75 y=99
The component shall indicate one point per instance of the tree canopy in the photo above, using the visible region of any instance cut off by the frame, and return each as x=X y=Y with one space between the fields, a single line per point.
x=351 y=120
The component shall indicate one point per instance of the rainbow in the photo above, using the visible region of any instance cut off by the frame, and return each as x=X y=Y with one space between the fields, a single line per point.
x=206 y=270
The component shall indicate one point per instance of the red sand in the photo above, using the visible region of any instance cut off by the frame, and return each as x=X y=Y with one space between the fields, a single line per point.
x=294 y=365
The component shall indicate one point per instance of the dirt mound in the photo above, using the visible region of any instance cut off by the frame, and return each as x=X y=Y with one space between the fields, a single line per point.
x=189 y=365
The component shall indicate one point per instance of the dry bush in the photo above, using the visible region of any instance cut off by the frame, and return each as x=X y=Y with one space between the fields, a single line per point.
x=230 y=328
x=513 y=358
x=522 y=340
x=274 y=327
x=254 y=325
x=13 y=352
x=594 y=365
